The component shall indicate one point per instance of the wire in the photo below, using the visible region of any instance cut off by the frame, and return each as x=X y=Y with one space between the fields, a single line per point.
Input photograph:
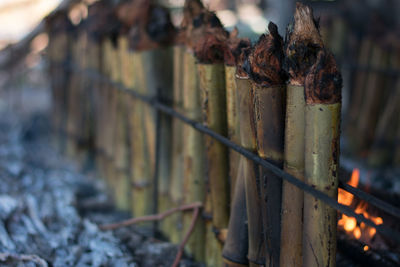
x=386 y=231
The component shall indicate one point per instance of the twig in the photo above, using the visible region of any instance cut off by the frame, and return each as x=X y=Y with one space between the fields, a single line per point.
x=154 y=217
x=186 y=238
x=23 y=257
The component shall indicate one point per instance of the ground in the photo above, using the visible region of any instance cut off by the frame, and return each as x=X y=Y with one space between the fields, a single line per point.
x=50 y=207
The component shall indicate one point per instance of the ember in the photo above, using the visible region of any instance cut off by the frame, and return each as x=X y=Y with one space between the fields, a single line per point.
x=349 y=224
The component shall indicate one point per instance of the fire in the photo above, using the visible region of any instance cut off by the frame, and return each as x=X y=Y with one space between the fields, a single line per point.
x=349 y=224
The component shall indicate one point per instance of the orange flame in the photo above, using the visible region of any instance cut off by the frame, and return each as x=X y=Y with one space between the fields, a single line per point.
x=349 y=224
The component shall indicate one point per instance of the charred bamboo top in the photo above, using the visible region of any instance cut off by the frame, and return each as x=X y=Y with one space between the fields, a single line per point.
x=58 y=22
x=149 y=25
x=323 y=83
x=303 y=42
x=209 y=38
x=242 y=63
x=102 y=22
x=235 y=47
x=191 y=10
x=203 y=33
x=265 y=59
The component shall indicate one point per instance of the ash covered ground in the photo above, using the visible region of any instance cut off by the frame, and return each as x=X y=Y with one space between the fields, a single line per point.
x=50 y=207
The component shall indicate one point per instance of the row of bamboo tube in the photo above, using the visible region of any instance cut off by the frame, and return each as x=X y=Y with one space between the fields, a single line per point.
x=249 y=217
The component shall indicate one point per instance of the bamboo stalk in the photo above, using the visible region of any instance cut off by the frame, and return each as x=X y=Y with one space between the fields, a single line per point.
x=236 y=247
x=175 y=186
x=302 y=35
x=232 y=124
x=103 y=109
x=193 y=155
x=292 y=197
x=111 y=116
x=141 y=175
x=121 y=157
x=72 y=105
x=322 y=130
x=236 y=244
x=212 y=86
x=197 y=39
x=268 y=103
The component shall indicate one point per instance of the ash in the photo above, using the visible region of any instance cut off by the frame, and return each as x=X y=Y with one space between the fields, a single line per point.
x=50 y=209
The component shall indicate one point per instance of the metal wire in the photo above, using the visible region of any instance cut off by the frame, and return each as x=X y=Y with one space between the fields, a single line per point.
x=386 y=231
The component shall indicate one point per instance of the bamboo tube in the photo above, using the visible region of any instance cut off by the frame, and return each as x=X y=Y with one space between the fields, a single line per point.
x=204 y=245
x=72 y=105
x=292 y=197
x=322 y=130
x=255 y=244
x=193 y=155
x=170 y=225
x=111 y=116
x=103 y=108
x=121 y=160
x=142 y=182
x=58 y=28
x=232 y=123
x=148 y=64
x=84 y=120
x=95 y=47
x=236 y=246
x=268 y=103
x=302 y=35
x=212 y=86
x=150 y=35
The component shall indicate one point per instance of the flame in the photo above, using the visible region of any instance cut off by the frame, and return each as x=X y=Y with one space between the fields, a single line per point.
x=349 y=224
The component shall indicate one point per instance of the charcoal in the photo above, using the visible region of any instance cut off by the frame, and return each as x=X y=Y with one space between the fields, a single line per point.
x=51 y=210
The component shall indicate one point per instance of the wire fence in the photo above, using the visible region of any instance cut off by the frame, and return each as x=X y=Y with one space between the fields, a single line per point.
x=167 y=109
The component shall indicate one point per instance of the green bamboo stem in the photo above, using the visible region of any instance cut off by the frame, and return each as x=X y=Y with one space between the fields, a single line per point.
x=150 y=64
x=232 y=123
x=292 y=197
x=213 y=97
x=72 y=105
x=322 y=133
x=269 y=112
x=236 y=244
x=212 y=87
x=256 y=244
x=103 y=109
x=321 y=167
x=58 y=53
x=256 y=250
x=111 y=116
x=141 y=173
x=175 y=186
x=121 y=157
x=303 y=34
x=193 y=155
